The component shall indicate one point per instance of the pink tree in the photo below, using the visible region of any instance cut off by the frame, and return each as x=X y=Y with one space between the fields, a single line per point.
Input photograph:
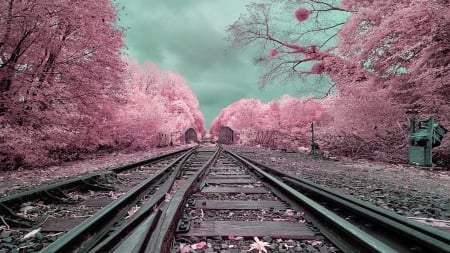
x=60 y=68
x=62 y=88
x=64 y=51
x=279 y=124
x=271 y=114
x=391 y=53
x=242 y=115
x=296 y=116
x=158 y=103
x=182 y=104
x=134 y=123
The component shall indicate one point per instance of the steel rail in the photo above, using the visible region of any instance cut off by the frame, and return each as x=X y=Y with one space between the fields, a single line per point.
x=71 y=240
x=433 y=240
x=173 y=209
x=32 y=194
x=138 y=240
x=151 y=160
x=421 y=234
x=356 y=240
x=144 y=211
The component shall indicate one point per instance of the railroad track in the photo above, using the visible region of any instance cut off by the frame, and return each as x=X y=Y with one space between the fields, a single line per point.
x=212 y=200
x=60 y=206
x=116 y=229
x=354 y=225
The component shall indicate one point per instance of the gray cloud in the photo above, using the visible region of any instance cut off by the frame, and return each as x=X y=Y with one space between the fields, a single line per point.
x=188 y=37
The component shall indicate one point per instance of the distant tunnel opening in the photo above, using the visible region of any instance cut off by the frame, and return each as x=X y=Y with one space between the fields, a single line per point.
x=190 y=136
x=226 y=135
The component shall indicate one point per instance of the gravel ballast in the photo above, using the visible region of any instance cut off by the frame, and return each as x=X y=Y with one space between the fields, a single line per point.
x=407 y=190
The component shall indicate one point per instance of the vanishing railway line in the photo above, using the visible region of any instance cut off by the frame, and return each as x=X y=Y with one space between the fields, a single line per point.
x=209 y=199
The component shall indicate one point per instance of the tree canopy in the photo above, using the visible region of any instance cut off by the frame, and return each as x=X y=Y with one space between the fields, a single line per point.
x=387 y=60
x=66 y=89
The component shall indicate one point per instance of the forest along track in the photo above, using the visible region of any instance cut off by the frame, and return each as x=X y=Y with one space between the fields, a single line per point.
x=46 y=212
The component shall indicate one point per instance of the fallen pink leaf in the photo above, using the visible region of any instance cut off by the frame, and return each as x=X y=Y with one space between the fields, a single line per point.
x=199 y=245
x=184 y=248
x=235 y=238
x=289 y=212
x=260 y=246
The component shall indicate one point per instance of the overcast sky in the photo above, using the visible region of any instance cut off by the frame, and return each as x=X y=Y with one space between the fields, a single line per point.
x=188 y=37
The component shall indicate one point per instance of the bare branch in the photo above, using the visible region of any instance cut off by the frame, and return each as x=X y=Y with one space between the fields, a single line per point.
x=330 y=7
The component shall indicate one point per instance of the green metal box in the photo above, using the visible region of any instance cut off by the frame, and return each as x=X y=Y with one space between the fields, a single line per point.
x=424 y=135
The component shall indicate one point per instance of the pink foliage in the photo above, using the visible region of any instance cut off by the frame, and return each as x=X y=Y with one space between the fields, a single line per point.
x=273 y=52
x=390 y=64
x=60 y=77
x=360 y=122
x=243 y=114
x=404 y=69
x=318 y=68
x=280 y=124
x=302 y=14
x=159 y=102
x=62 y=91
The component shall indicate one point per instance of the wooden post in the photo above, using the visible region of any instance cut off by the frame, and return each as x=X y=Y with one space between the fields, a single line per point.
x=313 y=144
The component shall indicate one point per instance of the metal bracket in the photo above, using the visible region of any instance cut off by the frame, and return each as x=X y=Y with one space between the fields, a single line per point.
x=184 y=225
